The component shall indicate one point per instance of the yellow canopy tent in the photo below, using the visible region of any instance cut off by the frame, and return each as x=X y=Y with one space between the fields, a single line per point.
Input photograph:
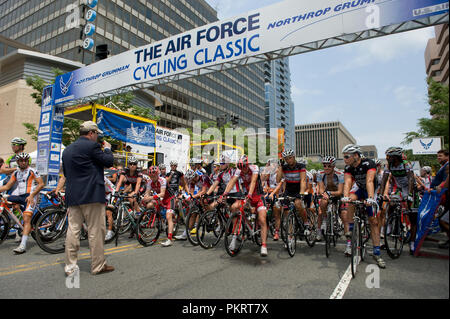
x=89 y=113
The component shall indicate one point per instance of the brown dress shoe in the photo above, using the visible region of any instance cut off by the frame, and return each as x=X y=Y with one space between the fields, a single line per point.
x=105 y=269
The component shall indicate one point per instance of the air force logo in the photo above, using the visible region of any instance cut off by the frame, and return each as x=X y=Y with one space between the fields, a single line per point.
x=426 y=146
x=65 y=86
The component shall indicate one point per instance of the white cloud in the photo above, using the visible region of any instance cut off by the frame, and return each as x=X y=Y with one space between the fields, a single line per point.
x=384 y=49
x=296 y=92
x=408 y=96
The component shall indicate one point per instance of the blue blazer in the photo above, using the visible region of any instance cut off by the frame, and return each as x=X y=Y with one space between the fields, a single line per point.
x=83 y=166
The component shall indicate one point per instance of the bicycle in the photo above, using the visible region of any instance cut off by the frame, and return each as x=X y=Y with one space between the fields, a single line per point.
x=295 y=227
x=360 y=234
x=126 y=218
x=10 y=220
x=334 y=226
x=395 y=231
x=150 y=225
x=211 y=226
x=195 y=211
x=241 y=225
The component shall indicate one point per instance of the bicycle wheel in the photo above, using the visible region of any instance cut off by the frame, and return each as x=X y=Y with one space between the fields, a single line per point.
x=209 y=230
x=50 y=231
x=149 y=228
x=283 y=227
x=234 y=235
x=394 y=234
x=311 y=236
x=125 y=223
x=364 y=237
x=291 y=234
x=192 y=219
x=355 y=258
x=4 y=227
x=328 y=233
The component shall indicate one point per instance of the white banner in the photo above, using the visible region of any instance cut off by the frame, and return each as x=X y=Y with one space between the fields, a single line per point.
x=426 y=145
x=283 y=25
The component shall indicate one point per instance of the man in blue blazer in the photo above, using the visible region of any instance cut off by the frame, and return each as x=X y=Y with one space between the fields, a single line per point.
x=83 y=165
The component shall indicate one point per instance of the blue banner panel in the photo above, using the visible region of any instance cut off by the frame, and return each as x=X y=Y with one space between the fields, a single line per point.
x=126 y=130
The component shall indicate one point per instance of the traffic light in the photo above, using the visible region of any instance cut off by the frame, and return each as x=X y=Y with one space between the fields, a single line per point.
x=101 y=52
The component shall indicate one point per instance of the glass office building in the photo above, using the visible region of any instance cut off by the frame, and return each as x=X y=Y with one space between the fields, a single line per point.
x=279 y=107
x=125 y=25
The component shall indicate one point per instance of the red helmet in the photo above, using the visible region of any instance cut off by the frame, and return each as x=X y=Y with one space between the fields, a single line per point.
x=154 y=170
x=243 y=162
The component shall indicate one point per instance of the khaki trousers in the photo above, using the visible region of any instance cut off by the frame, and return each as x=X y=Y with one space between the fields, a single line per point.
x=94 y=216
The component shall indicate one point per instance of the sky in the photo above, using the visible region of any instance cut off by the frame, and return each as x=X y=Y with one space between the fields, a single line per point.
x=376 y=88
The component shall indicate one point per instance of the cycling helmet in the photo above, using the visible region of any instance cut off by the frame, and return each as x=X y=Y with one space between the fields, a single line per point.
x=394 y=151
x=18 y=141
x=243 y=162
x=329 y=160
x=162 y=166
x=23 y=156
x=173 y=163
x=377 y=161
x=132 y=160
x=225 y=159
x=153 y=170
x=190 y=174
x=303 y=161
x=288 y=152
x=351 y=148
x=313 y=171
x=198 y=173
x=427 y=169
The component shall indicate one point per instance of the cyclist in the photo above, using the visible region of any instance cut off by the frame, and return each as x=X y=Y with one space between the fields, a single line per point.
x=158 y=185
x=196 y=164
x=201 y=182
x=163 y=170
x=330 y=183
x=11 y=164
x=363 y=172
x=401 y=176
x=249 y=174
x=25 y=179
x=292 y=176
x=131 y=179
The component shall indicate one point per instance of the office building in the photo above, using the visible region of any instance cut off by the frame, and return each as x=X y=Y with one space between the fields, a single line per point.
x=125 y=25
x=369 y=151
x=279 y=105
x=436 y=55
x=322 y=139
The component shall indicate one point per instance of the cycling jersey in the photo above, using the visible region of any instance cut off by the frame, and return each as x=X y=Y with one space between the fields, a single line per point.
x=109 y=188
x=246 y=179
x=331 y=184
x=24 y=180
x=359 y=173
x=157 y=187
x=204 y=180
x=400 y=177
x=175 y=180
x=131 y=179
x=292 y=178
x=224 y=178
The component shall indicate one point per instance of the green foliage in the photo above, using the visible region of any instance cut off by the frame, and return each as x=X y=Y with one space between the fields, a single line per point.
x=31 y=130
x=438 y=124
x=311 y=165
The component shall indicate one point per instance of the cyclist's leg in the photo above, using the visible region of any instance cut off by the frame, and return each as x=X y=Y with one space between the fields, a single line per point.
x=323 y=205
x=299 y=205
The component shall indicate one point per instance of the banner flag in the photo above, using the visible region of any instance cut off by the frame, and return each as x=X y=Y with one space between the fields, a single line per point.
x=425 y=217
x=125 y=130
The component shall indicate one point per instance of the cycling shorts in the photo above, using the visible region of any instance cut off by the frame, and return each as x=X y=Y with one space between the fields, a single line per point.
x=257 y=202
x=21 y=200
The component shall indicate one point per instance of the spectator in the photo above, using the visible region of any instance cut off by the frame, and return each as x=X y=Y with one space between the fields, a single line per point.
x=83 y=165
x=442 y=157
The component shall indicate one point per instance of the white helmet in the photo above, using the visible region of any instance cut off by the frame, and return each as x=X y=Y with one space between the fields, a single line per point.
x=132 y=159
x=329 y=160
x=190 y=174
x=224 y=158
x=303 y=161
x=18 y=141
x=173 y=163
x=288 y=152
x=351 y=148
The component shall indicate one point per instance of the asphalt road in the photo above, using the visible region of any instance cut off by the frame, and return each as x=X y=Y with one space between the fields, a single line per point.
x=186 y=272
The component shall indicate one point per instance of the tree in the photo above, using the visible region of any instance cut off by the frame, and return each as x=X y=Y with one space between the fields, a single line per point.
x=437 y=125
x=72 y=126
